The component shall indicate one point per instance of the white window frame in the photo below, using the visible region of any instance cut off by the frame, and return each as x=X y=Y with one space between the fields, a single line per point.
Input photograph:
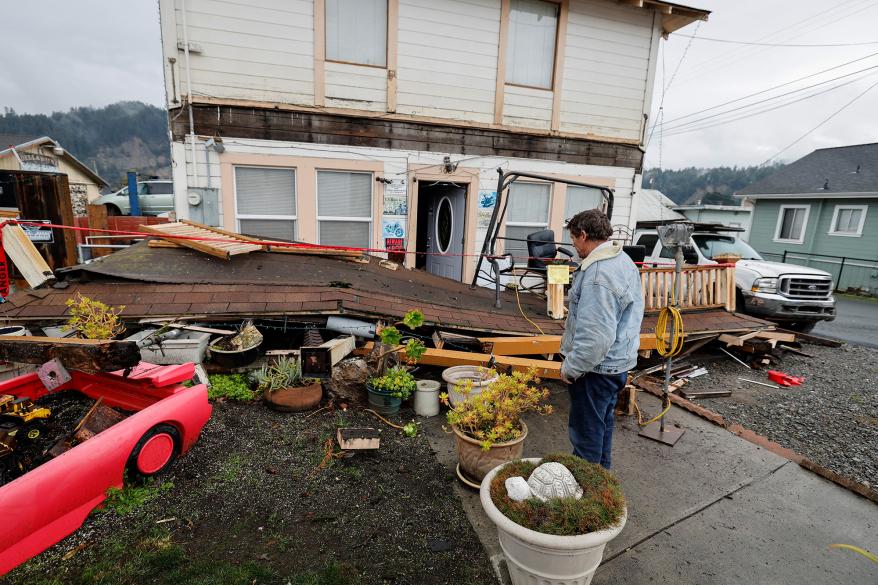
x=780 y=217
x=545 y=225
x=247 y=216
x=386 y=41
x=859 y=232
x=552 y=80
x=321 y=218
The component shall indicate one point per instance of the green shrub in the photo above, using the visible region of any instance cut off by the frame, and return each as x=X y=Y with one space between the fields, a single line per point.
x=230 y=386
x=600 y=507
x=397 y=382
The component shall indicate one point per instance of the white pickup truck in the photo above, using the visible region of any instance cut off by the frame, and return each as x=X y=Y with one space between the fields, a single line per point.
x=797 y=296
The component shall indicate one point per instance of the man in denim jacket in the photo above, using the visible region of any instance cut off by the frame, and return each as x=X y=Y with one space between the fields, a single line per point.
x=601 y=335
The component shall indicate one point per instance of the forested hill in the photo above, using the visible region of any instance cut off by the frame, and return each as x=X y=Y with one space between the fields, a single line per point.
x=713 y=186
x=115 y=138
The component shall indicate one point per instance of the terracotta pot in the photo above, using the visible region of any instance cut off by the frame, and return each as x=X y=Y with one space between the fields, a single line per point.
x=475 y=462
x=294 y=399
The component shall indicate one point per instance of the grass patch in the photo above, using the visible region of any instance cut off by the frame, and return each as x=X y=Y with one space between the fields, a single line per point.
x=131 y=497
x=231 y=387
x=601 y=505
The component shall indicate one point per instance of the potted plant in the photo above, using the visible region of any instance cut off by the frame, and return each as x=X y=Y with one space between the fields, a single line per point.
x=558 y=540
x=92 y=319
x=393 y=384
x=487 y=425
x=239 y=349
x=284 y=388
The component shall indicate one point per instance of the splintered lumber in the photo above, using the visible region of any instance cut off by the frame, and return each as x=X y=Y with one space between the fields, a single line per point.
x=447 y=358
x=317 y=361
x=694 y=394
x=87 y=355
x=815 y=339
x=540 y=344
x=222 y=244
x=25 y=256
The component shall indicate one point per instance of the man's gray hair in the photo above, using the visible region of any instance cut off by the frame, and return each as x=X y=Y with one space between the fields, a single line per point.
x=594 y=223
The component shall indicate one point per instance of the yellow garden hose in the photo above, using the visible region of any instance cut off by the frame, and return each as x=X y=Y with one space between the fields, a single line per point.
x=674 y=345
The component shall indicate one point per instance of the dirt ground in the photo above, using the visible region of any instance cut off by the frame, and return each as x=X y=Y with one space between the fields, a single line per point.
x=255 y=502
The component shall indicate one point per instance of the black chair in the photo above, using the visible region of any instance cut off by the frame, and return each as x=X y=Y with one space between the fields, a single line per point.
x=542 y=250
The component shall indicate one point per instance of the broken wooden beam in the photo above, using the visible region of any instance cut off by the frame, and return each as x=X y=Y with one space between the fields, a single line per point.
x=448 y=358
x=532 y=345
x=87 y=355
x=25 y=256
x=317 y=361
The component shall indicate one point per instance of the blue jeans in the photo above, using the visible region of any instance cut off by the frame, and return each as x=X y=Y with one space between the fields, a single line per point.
x=590 y=427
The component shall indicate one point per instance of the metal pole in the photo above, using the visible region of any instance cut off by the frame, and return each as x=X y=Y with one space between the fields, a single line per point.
x=784 y=259
x=678 y=292
x=133 y=200
x=840 y=269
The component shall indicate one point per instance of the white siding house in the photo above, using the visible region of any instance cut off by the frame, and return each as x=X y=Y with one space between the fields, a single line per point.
x=360 y=122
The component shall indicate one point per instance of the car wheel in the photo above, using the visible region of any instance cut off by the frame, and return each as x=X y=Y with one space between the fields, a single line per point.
x=802 y=326
x=154 y=452
x=113 y=210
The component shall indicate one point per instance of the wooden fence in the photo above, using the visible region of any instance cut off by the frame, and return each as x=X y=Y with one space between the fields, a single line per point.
x=704 y=287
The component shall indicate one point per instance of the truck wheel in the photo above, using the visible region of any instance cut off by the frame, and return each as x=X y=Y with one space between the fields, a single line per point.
x=154 y=452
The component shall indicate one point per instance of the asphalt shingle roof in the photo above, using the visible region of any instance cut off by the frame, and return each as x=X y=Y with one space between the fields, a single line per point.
x=809 y=174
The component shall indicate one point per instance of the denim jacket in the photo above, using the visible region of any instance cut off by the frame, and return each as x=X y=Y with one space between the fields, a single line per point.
x=602 y=332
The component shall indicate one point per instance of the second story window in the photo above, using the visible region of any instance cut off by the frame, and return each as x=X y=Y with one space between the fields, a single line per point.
x=530 y=54
x=356 y=31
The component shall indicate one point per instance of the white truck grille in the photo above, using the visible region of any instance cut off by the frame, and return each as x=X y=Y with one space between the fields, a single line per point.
x=805 y=287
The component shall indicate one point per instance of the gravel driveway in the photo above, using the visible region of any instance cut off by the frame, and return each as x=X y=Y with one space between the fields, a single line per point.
x=832 y=419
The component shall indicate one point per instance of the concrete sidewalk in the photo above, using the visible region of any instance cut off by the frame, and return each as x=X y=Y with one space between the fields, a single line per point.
x=714 y=509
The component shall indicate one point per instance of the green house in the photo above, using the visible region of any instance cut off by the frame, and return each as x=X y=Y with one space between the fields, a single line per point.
x=821 y=211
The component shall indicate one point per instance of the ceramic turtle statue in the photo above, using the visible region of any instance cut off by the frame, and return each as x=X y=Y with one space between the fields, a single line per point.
x=553 y=480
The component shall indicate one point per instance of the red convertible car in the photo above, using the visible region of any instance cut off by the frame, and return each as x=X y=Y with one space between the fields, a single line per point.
x=52 y=500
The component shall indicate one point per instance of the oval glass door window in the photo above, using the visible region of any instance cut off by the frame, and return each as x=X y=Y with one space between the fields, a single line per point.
x=444 y=225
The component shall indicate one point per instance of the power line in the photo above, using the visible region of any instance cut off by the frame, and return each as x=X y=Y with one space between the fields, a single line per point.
x=825 y=120
x=756 y=103
x=764 y=110
x=770 y=89
x=743 y=51
x=755 y=44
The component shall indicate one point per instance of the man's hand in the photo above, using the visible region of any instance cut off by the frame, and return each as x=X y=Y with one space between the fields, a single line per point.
x=565 y=380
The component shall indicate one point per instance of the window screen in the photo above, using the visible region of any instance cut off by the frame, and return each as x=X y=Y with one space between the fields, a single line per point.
x=356 y=31
x=261 y=191
x=791 y=223
x=530 y=54
x=528 y=212
x=344 y=208
x=847 y=220
x=265 y=201
x=268 y=228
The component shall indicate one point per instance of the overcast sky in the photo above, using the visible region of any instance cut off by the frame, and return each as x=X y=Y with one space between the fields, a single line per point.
x=59 y=54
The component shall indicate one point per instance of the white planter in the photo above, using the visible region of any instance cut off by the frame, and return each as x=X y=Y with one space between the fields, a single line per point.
x=187 y=346
x=535 y=558
x=457 y=374
x=427 y=398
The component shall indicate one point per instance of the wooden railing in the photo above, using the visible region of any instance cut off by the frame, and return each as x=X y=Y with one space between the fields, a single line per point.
x=704 y=287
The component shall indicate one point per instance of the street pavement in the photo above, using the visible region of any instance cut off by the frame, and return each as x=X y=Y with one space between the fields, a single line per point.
x=856 y=321
x=712 y=510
